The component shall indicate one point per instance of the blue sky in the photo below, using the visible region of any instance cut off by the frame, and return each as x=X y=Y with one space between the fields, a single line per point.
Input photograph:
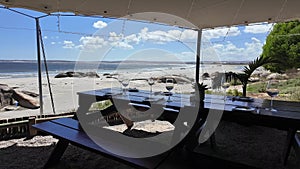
x=86 y=38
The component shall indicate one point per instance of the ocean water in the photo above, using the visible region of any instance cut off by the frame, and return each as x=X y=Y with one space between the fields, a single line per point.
x=28 y=68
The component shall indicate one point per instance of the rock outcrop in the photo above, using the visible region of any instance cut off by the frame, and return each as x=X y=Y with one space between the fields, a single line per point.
x=77 y=74
x=32 y=94
x=5 y=95
x=277 y=76
x=25 y=100
x=8 y=96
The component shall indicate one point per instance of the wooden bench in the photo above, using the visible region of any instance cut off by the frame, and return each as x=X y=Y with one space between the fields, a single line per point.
x=67 y=131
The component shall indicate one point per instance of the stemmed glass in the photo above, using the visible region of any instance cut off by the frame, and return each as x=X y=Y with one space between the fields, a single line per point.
x=125 y=83
x=151 y=82
x=169 y=87
x=272 y=91
x=225 y=85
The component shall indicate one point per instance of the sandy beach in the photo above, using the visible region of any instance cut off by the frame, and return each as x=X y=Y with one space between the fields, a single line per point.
x=65 y=89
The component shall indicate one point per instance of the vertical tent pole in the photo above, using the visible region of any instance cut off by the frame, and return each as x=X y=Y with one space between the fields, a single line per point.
x=39 y=65
x=198 y=55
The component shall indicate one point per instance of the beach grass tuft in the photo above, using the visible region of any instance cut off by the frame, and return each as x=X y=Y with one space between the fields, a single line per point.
x=288 y=89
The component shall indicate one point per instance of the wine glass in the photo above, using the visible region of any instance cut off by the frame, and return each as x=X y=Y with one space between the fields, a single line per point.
x=169 y=87
x=151 y=82
x=225 y=85
x=125 y=83
x=272 y=91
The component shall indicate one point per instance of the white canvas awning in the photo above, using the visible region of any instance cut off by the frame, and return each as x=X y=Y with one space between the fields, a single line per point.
x=201 y=13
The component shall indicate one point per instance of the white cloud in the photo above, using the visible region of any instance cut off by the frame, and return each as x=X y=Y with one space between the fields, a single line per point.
x=95 y=42
x=122 y=45
x=231 y=52
x=255 y=40
x=120 y=41
x=68 y=44
x=99 y=25
x=261 y=28
x=174 y=34
x=221 y=32
x=133 y=38
x=189 y=35
x=157 y=36
x=114 y=37
x=45 y=37
x=128 y=42
x=53 y=43
x=254 y=48
x=162 y=37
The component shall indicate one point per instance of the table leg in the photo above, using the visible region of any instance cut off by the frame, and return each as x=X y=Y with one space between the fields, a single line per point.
x=57 y=153
x=212 y=140
x=288 y=146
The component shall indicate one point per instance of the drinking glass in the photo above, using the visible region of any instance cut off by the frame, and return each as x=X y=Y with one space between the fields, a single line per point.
x=125 y=83
x=272 y=91
x=151 y=82
x=169 y=87
x=225 y=85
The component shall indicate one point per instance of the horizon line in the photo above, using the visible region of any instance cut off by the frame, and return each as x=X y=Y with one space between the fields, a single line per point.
x=51 y=60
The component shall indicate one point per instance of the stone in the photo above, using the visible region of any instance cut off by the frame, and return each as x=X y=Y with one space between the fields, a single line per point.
x=5 y=95
x=92 y=74
x=25 y=100
x=11 y=108
x=205 y=75
x=77 y=74
x=61 y=75
x=32 y=94
x=254 y=79
x=277 y=76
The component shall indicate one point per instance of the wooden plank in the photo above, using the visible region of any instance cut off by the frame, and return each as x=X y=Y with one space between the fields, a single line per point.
x=68 y=122
x=178 y=159
x=31 y=122
x=79 y=138
x=13 y=124
x=48 y=118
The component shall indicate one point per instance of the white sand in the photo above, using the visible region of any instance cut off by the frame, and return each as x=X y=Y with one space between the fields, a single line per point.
x=65 y=89
x=147 y=125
